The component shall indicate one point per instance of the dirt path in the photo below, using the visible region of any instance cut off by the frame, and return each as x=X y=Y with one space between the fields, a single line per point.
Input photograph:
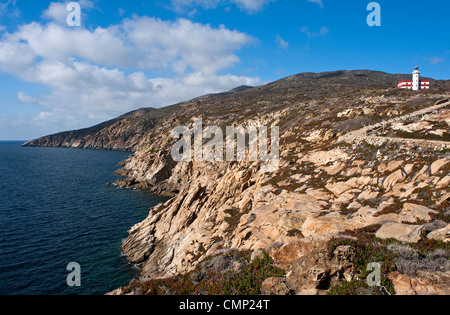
x=364 y=133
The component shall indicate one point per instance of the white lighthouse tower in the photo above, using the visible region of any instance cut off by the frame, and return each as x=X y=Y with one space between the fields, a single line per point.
x=416 y=79
x=415 y=84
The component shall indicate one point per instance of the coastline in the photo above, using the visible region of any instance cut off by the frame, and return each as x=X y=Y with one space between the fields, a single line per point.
x=328 y=202
x=57 y=208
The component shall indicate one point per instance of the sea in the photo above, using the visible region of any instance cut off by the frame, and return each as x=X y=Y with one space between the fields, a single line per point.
x=59 y=207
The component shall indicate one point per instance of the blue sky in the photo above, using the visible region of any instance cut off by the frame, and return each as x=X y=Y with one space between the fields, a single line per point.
x=132 y=54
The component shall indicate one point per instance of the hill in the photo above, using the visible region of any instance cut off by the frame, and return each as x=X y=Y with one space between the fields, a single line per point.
x=362 y=179
x=125 y=132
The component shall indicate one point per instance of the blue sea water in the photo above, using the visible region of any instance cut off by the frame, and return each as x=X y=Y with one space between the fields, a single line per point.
x=57 y=207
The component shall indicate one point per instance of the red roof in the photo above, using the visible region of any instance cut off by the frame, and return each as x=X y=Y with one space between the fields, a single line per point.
x=411 y=81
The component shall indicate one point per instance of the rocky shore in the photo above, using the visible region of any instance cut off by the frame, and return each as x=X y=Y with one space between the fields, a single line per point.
x=315 y=224
x=398 y=193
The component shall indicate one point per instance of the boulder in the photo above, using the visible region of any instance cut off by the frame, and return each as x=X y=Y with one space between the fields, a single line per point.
x=338 y=188
x=368 y=194
x=444 y=182
x=402 y=232
x=438 y=165
x=348 y=196
x=443 y=199
x=394 y=178
x=274 y=286
x=316 y=272
x=321 y=158
x=421 y=175
x=441 y=234
x=425 y=283
x=354 y=206
x=393 y=165
x=408 y=168
x=319 y=194
x=332 y=223
x=334 y=169
x=289 y=252
x=412 y=213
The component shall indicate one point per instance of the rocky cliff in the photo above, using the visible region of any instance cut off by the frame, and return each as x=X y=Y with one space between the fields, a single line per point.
x=330 y=202
x=120 y=134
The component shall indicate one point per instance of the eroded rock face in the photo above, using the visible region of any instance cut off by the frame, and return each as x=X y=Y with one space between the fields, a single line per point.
x=425 y=283
x=231 y=206
x=275 y=286
x=317 y=271
x=121 y=134
x=440 y=234
x=438 y=165
x=321 y=193
x=402 y=232
x=294 y=250
x=211 y=213
x=323 y=187
x=183 y=229
x=412 y=213
x=311 y=270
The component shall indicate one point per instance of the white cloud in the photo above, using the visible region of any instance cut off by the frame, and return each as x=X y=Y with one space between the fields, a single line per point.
x=57 y=11
x=281 y=42
x=319 y=2
x=145 y=43
x=181 y=5
x=9 y=9
x=435 y=60
x=58 y=43
x=24 y=98
x=106 y=94
x=250 y=6
x=94 y=75
x=5 y=6
x=183 y=44
x=321 y=33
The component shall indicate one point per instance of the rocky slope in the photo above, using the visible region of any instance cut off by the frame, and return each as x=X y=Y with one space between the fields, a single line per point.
x=332 y=207
x=125 y=132
x=121 y=134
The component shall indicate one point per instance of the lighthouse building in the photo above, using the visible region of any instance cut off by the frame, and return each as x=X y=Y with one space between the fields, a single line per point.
x=415 y=84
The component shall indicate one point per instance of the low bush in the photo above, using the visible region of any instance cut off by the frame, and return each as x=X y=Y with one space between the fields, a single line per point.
x=247 y=280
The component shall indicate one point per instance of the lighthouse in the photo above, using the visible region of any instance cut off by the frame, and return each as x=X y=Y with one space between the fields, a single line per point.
x=416 y=79
x=415 y=84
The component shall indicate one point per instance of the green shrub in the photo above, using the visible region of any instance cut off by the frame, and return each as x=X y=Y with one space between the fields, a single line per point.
x=367 y=250
x=295 y=233
x=246 y=281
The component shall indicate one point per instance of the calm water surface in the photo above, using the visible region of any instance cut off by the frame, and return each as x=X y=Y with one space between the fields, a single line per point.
x=56 y=207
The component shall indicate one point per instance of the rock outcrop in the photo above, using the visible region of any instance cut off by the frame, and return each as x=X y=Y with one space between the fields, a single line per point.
x=426 y=283
x=331 y=183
